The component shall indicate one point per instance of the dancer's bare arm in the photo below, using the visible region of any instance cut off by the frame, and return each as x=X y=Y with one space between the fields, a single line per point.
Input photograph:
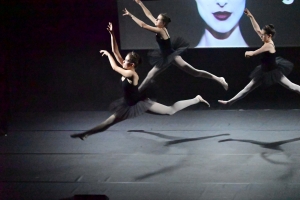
x=266 y=47
x=146 y=11
x=254 y=23
x=142 y=24
x=114 y=44
x=115 y=67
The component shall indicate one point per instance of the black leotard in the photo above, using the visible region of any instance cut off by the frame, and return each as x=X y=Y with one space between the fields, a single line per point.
x=168 y=49
x=272 y=69
x=132 y=103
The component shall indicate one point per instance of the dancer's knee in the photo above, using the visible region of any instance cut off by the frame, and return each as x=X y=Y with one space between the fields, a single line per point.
x=153 y=73
x=248 y=88
x=171 y=111
x=111 y=120
x=200 y=73
x=294 y=87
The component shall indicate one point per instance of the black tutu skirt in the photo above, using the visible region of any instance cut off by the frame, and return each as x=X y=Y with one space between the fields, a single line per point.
x=156 y=58
x=122 y=110
x=284 y=67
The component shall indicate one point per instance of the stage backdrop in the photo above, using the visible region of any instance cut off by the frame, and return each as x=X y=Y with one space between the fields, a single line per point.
x=189 y=18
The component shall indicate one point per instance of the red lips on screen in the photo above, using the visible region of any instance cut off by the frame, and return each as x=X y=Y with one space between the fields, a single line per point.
x=222 y=15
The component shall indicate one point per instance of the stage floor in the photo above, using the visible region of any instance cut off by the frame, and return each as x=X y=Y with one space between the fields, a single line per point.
x=154 y=157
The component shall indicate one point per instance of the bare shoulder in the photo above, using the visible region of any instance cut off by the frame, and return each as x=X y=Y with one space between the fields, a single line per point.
x=271 y=47
x=268 y=45
x=164 y=33
x=135 y=78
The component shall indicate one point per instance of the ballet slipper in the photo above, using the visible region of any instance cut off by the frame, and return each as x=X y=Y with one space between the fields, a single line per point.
x=224 y=83
x=223 y=102
x=202 y=100
x=82 y=136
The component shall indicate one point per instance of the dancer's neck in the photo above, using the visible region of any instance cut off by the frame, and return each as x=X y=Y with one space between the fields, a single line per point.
x=234 y=39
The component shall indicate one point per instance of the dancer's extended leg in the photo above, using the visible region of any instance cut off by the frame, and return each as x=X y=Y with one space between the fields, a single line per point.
x=151 y=74
x=251 y=86
x=102 y=127
x=289 y=85
x=179 y=105
x=186 y=67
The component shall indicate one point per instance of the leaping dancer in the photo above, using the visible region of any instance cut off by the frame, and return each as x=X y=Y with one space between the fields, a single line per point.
x=133 y=103
x=272 y=69
x=169 y=52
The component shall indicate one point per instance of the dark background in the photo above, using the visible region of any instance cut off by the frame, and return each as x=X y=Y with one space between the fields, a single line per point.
x=50 y=61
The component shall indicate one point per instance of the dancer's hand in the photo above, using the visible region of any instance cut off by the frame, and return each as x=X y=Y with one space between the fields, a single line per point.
x=138 y=1
x=126 y=12
x=248 y=13
x=104 y=53
x=248 y=54
x=110 y=28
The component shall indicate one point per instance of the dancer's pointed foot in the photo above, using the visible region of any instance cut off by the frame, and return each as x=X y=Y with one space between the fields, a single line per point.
x=224 y=83
x=223 y=102
x=202 y=100
x=82 y=136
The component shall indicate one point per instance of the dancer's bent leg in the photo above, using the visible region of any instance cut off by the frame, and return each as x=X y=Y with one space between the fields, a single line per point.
x=179 y=105
x=186 y=67
x=151 y=74
x=254 y=83
x=100 y=128
x=289 y=85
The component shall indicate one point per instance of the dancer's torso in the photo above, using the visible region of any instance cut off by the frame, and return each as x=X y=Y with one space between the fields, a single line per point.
x=165 y=46
x=268 y=62
x=130 y=92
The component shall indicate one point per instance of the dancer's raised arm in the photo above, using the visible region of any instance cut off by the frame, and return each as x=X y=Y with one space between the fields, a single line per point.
x=114 y=44
x=254 y=23
x=143 y=24
x=146 y=11
x=115 y=67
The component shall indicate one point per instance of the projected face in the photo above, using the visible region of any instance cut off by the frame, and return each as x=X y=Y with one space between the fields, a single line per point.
x=287 y=2
x=221 y=15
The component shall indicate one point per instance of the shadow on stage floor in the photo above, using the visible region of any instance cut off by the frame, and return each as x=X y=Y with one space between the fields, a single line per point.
x=194 y=154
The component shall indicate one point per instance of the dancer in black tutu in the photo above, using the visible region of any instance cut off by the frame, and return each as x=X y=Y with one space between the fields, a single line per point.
x=133 y=103
x=169 y=52
x=272 y=69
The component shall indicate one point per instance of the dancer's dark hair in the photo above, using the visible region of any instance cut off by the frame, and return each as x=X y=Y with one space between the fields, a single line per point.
x=135 y=58
x=269 y=30
x=165 y=19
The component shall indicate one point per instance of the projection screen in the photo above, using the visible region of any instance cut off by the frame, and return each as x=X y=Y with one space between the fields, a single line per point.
x=212 y=23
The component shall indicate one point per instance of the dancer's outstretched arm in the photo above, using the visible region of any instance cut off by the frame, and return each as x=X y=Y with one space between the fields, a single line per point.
x=265 y=47
x=254 y=23
x=146 y=11
x=115 y=67
x=143 y=24
x=114 y=44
